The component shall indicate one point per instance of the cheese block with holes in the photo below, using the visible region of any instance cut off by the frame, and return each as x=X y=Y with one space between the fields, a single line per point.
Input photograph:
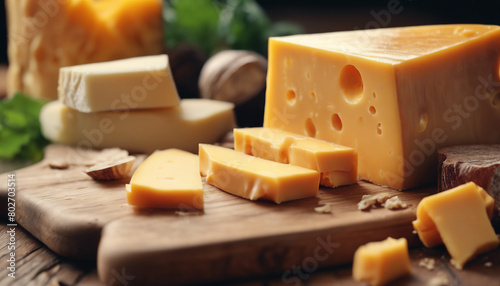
x=395 y=95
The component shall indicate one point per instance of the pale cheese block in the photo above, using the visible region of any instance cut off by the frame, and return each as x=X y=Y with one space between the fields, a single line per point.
x=382 y=261
x=183 y=127
x=337 y=164
x=167 y=179
x=47 y=35
x=459 y=218
x=255 y=178
x=395 y=95
x=134 y=83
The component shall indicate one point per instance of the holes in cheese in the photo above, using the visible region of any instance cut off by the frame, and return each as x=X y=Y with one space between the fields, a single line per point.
x=291 y=97
x=255 y=178
x=337 y=164
x=379 y=128
x=422 y=125
x=310 y=127
x=336 y=122
x=351 y=84
x=372 y=110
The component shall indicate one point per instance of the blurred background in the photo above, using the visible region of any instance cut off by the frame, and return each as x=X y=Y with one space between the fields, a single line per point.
x=323 y=16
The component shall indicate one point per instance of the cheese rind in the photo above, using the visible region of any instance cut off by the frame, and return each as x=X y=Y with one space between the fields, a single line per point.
x=47 y=35
x=337 y=164
x=255 y=178
x=183 y=127
x=134 y=83
x=167 y=179
x=459 y=218
x=381 y=262
x=395 y=94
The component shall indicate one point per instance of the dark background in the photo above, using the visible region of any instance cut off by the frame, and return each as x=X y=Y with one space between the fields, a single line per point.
x=323 y=16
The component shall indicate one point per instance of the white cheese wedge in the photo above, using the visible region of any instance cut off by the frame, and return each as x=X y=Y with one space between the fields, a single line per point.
x=183 y=127
x=134 y=83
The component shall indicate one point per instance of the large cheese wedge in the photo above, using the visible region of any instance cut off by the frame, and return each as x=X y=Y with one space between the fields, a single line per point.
x=459 y=218
x=45 y=35
x=338 y=164
x=184 y=127
x=382 y=261
x=134 y=83
x=395 y=95
x=167 y=179
x=255 y=178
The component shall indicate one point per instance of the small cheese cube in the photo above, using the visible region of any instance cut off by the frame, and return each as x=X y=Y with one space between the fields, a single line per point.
x=167 y=179
x=337 y=164
x=134 y=83
x=459 y=218
x=380 y=262
x=255 y=178
x=184 y=127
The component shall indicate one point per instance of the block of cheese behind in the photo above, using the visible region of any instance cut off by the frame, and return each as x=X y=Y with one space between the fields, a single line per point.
x=146 y=130
x=395 y=95
x=381 y=262
x=471 y=163
x=133 y=83
x=255 y=178
x=337 y=164
x=459 y=218
x=47 y=35
x=167 y=179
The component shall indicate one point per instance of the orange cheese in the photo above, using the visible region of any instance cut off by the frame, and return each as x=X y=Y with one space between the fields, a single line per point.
x=381 y=262
x=167 y=179
x=47 y=35
x=255 y=178
x=395 y=95
x=337 y=164
x=459 y=218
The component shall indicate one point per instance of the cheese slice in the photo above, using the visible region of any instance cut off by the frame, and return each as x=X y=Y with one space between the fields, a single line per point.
x=381 y=262
x=337 y=164
x=395 y=95
x=459 y=218
x=167 y=179
x=255 y=178
x=134 y=83
x=47 y=35
x=183 y=127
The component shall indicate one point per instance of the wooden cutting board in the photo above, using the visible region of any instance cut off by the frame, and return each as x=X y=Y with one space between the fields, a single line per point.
x=233 y=238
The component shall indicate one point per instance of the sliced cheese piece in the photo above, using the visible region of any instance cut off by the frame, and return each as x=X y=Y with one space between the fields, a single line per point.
x=47 y=35
x=337 y=164
x=255 y=178
x=395 y=95
x=184 y=127
x=381 y=262
x=459 y=218
x=134 y=83
x=167 y=179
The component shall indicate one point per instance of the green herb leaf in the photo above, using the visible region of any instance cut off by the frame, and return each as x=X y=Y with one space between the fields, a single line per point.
x=20 y=131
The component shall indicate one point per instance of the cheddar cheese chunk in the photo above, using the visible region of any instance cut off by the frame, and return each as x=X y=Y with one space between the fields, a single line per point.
x=255 y=178
x=381 y=262
x=183 y=127
x=459 y=218
x=337 y=164
x=47 y=35
x=134 y=83
x=167 y=179
x=395 y=95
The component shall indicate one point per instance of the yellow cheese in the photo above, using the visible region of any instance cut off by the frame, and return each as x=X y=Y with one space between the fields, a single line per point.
x=337 y=164
x=133 y=83
x=395 y=95
x=167 y=179
x=459 y=218
x=381 y=262
x=255 y=178
x=146 y=130
x=46 y=35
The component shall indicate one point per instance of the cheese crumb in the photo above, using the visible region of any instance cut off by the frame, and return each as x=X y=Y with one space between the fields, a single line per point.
x=326 y=208
x=427 y=263
x=395 y=203
x=371 y=201
x=488 y=264
x=439 y=280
